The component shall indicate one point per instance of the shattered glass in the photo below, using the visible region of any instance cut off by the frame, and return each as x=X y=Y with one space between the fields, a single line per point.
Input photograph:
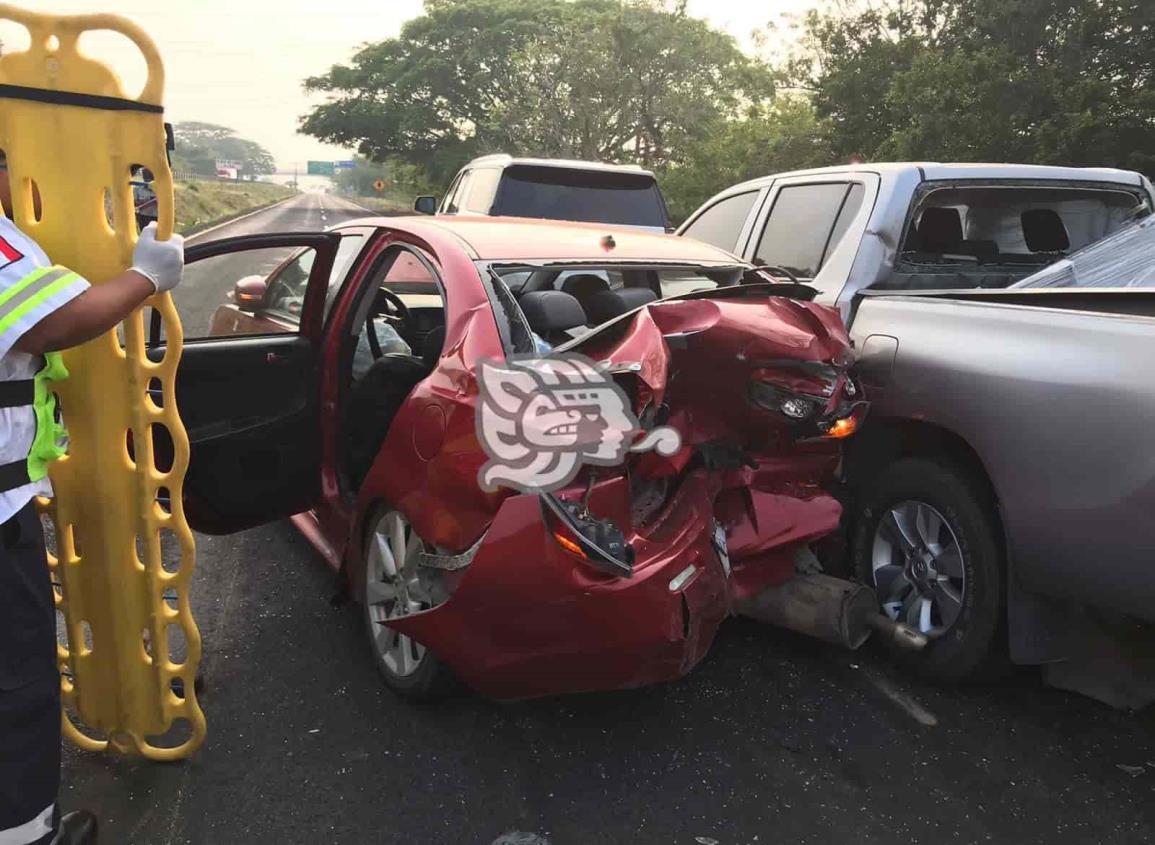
x=1124 y=259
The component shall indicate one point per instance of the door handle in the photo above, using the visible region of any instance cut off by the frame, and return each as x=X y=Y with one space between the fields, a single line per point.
x=276 y=358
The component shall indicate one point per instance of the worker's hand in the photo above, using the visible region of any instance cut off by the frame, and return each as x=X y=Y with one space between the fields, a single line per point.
x=161 y=261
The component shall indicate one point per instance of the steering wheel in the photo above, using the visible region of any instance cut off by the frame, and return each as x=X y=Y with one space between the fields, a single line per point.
x=395 y=312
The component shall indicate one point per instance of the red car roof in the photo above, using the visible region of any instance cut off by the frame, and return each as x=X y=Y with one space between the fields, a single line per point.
x=521 y=239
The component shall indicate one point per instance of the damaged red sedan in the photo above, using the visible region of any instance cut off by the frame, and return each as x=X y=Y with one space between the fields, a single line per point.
x=347 y=393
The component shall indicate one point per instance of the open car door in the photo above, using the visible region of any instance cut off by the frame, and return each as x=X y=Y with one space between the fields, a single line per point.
x=247 y=388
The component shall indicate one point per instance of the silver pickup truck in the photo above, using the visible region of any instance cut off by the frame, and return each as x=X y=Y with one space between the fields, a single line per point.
x=1003 y=487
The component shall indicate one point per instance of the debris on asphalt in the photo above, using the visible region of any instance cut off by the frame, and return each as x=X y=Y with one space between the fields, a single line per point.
x=705 y=840
x=1133 y=771
x=906 y=702
x=516 y=837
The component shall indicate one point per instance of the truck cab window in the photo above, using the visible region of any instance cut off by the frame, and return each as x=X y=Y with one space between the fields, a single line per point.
x=850 y=208
x=799 y=227
x=720 y=224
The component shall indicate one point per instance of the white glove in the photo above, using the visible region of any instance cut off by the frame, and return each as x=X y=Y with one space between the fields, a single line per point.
x=161 y=261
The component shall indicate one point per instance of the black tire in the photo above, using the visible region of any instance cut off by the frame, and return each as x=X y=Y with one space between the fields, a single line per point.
x=432 y=680
x=968 y=646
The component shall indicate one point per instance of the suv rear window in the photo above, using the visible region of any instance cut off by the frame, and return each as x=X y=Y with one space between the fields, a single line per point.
x=556 y=193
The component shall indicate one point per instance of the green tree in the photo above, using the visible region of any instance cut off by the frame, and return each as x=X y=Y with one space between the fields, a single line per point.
x=784 y=135
x=1047 y=81
x=636 y=81
x=360 y=180
x=199 y=146
x=587 y=78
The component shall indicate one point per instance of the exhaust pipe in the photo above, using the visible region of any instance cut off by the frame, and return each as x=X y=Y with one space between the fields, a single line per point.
x=900 y=635
x=831 y=609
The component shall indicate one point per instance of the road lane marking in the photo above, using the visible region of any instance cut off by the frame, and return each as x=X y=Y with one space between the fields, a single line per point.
x=203 y=232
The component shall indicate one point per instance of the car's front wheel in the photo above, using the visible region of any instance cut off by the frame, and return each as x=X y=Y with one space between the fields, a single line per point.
x=927 y=541
x=394 y=589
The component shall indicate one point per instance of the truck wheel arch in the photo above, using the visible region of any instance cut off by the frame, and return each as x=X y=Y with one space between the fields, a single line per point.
x=886 y=440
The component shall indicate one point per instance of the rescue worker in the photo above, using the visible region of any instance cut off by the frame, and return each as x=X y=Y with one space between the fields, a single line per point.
x=43 y=308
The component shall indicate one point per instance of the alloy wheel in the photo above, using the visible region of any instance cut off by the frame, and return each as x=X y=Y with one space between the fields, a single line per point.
x=918 y=567
x=394 y=590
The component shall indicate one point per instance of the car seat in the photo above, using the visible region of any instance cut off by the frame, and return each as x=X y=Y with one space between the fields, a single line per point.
x=589 y=290
x=1043 y=230
x=940 y=231
x=605 y=305
x=552 y=313
x=373 y=403
x=600 y=302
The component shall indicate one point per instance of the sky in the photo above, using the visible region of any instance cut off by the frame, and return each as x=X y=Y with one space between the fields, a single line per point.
x=240 y=63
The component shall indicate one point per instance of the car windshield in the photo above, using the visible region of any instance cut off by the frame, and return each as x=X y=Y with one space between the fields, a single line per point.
x=556 y=193
x=1125 y=259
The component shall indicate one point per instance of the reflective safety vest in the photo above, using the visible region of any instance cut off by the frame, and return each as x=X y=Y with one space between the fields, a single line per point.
x=50 y=440
x=31 y=434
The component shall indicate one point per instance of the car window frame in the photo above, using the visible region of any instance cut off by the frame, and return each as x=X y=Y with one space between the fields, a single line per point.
x=375 y=270
x=457 y=194
x=742 y=234
x=222 y=247
x=467 y=196
x=760 y=232
x=449 y=192
x=838 y=265
x=275 y=278
x=363 y=233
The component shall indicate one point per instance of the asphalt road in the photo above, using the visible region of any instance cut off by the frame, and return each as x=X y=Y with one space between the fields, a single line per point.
x=774 y=739
x=207 y=282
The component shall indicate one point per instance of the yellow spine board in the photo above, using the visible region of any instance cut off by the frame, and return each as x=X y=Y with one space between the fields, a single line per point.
x=117 y=671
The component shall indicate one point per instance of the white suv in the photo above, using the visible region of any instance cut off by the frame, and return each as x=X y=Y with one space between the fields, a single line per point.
x=554 y=189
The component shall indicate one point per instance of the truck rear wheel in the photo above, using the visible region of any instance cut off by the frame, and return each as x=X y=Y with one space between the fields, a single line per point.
x=926 y=540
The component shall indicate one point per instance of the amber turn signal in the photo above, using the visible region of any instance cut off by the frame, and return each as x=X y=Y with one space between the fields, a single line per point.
x=569 y=545
x=843 y=427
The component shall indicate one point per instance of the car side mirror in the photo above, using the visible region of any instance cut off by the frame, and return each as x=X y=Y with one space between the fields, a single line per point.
x=425 y=205
x=249 y=293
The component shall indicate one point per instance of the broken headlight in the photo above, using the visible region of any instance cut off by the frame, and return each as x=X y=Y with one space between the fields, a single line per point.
x=793 y=406
x=806 y=415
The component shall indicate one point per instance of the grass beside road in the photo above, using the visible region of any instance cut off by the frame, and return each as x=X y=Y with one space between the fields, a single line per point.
x=199 y=203
x=386 y=201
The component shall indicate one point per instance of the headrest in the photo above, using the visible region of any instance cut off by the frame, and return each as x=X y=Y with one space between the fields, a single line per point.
x=604 y=306
x=1043 y=230
x=431 y=347
x=636 y=297
x=583 y=285
x=940 y=230
x=552 y=311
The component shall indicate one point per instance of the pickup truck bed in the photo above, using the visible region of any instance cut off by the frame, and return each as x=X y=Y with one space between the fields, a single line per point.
x=1044 y=400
